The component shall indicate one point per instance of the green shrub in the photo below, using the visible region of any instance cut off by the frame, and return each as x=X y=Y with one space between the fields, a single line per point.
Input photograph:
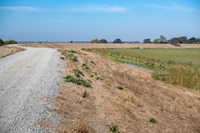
x=74 y=58
x=85 y=94
x=152 y=120
x=62 y=58
x=74 y=51
x=92 y=62
x=79 y=81
x=84 y=66
x=1 y=42
x=78 y=73
x=113 y=128
x=120 y=88
x=98 y=78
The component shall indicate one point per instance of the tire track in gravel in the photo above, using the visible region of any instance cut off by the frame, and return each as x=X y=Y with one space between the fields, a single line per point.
x=25 y=78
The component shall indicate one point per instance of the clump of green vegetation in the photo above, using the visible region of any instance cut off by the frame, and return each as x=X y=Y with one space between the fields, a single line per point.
x=92 y=62
x=91 y=76
x=152 y=120
x=78 y=73
x=74 y=58
x=84 y=66
x=7 y=42
x=62 y=58
x=79 y=81
x=71 y=57
x=113 y=128
x=10 y=42
x=74 y=51
x=98 y=78
x=85 y=94
x=120 y=88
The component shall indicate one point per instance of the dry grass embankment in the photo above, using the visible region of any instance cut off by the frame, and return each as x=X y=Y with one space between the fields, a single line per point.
x=8 y=50
x=125 y=96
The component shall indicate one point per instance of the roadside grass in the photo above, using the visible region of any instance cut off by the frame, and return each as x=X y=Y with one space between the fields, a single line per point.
x=176 y=66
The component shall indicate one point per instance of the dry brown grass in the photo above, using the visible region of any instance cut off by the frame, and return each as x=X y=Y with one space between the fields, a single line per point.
x=8 y=50
x=176 y=109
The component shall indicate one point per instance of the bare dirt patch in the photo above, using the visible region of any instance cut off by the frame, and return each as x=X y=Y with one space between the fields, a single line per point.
x=8 y=50
x=142 y=99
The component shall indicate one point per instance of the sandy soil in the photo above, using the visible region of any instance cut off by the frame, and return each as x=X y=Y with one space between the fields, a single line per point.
x=8 y=50
x=175 y=109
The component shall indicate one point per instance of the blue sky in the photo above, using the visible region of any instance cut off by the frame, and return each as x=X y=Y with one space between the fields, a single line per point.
x=84 y=20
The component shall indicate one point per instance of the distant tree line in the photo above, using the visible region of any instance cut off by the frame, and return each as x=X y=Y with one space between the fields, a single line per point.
x=118 y=40
x=7 y=42
x=174 y=41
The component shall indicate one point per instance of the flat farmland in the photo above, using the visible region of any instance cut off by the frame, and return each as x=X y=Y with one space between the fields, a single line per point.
x=107 y=45
x=177 y=55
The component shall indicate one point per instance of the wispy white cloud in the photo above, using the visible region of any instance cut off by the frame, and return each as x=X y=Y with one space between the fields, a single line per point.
x=83 y=8
x=22 y=8
x=172 y=6
x=99 y=8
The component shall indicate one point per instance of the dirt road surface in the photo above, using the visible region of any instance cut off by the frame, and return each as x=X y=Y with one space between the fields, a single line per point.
x=27 y=79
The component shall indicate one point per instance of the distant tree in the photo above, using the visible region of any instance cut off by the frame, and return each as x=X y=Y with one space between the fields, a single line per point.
x=10 y=42
x=71 y=42
x=163 y=39
x=103 y=41
x=117 y=41
x=147 y=40
x=95 y=41
x=1 y=42
x=198 y=41
x=182 y=39
x=156 y=40
x=192 y=40
x=174 y=40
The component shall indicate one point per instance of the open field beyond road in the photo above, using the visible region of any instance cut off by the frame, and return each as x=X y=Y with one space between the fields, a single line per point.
x=184 y=56
x=109 y=45
x=27 y=79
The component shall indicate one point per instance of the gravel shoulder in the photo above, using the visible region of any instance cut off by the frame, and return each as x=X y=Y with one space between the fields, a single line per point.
x=27 y=80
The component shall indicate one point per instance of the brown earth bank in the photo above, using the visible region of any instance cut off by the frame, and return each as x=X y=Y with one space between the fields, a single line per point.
x=104 y=105
x=8 y=50
x=109 y=45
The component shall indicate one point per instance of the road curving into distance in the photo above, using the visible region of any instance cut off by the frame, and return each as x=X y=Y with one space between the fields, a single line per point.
x=27 y=79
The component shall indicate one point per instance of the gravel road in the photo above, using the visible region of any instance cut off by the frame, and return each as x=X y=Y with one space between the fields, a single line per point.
x=27 y=80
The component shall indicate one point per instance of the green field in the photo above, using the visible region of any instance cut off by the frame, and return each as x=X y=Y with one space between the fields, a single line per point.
x=176 y=66
x=176 y=55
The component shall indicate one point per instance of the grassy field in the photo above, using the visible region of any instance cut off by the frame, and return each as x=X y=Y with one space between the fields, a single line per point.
x=176 y=66
x=183 y=56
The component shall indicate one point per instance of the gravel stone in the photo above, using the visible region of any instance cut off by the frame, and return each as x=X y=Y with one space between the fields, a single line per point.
x=27 y=79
